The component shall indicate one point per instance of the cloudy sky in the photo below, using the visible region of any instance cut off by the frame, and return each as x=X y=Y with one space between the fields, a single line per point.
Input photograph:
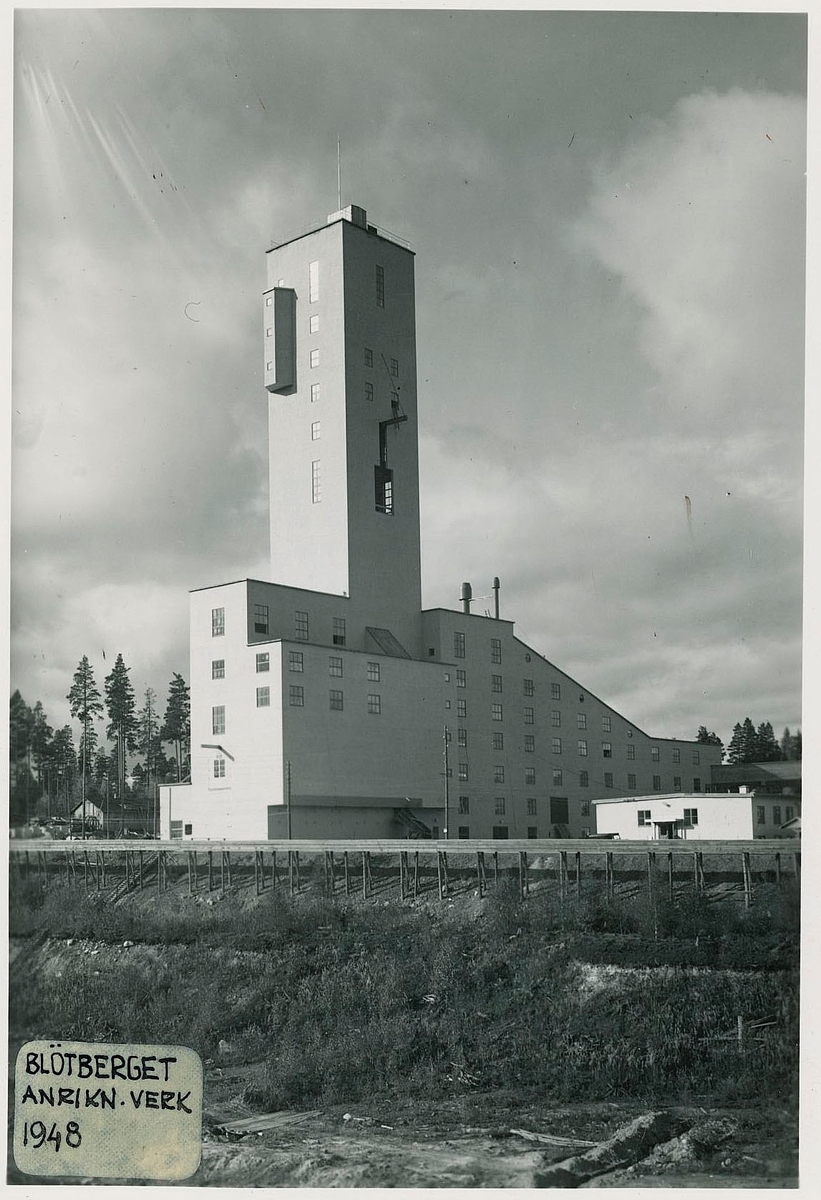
x=608 y=216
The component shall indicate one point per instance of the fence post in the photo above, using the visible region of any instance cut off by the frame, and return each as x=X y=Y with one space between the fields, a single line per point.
x=415 y=874
x=439 y=873
x=578 y=874
x=778 y=869
x=347 y=877
x=563 y=875
x=748 y=883
x=670 y=874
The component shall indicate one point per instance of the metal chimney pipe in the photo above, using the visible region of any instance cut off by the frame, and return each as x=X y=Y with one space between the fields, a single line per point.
x=496 y=585
x=466 y=597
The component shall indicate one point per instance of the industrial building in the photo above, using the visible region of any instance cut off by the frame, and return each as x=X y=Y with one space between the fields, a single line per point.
x=717 y=815
x=327 y=703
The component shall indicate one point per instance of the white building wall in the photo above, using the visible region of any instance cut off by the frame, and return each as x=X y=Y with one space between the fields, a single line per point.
x=719 y=816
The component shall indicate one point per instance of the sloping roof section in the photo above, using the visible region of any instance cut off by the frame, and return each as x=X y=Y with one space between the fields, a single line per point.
x=387 y=643
x=749 y=772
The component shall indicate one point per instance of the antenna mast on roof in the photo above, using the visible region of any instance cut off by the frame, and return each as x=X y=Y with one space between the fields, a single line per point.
x=338 y=173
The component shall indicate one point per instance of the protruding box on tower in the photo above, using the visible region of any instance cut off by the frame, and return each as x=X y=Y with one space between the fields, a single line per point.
x=279 y=321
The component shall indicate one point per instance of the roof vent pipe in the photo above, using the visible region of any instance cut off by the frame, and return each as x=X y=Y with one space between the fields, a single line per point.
x=496 y=585
x=466 y=597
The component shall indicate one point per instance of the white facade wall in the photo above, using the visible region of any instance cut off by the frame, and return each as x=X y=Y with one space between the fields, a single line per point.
x=719 y=816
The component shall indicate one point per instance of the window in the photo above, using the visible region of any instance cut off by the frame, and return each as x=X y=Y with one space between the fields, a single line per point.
x=313 y=282
x=335 y=700
x=500 y=833
x=368 y=357
x=383 y=489
x=313 y=323
x=301 y=626
x=497 y=741
x=584 y=809
x=334 y=665
x=532 y=832
x=339 y=631
x=464 y=805
x=656 y=783
x=461 y=736
x=269 y=332
x=461 y=707
x=530 y=743
x=558 y=777
x=555 y=718
x=296 y=661
x=676 y=755
x=218 y=719
x=260 y=618
x=263 y=662
x=368 y=390
x=530 y=776
x=555 y=745
x=219 y=768
x=316 y=431
x=176 y=829
x=395 y=367
x=654 y=753
x=529 y=688
x=498 y=773
x=458 y=645
x=374 y=703
x=581 y=720
x=269 y=300
x=582 y=748
x=530 y=716
x=556 y=691
x=314 y=393
x=696 y=758
x=531 y=806
x=463 y=772
x=218 y=668
x=631 y=751
x=584 y=779
x=464 y=833
x=645 y=816
x=313 y=358
x=496 y=650
x=696 y=784
x=296 y=696
x=496 y=683
x=496 y=712
x=676 y=783
x=316 y=483
x=380 y=286
x=789 y=813
x=374 y=672
x=605 y=724
x=608 y=779
x=217 y=622
x=690 y=817
x=499 y=806
x=606 y=750
x=269 y=366
x=263 y=697
x=461 y=679
x=760 y=815
x=559 y=810
x=631 y=782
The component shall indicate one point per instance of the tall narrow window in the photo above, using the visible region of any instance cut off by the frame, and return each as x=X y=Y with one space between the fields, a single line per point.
x=458 y=645
x=335 y=700
x=374 y=703
x=605 y=724
x=301 y=626
x=395 y=367
x=368 y=356
x=495 y=650
x=530 y=717
x=334 y=665
x=584 y=779
x=263 y=697
x=296 y=695
x=656 y=783
x=461 y=679
x=607 y=749
x=263 y=663
x=218 y=668
x=555 y=745
x=373 y=672
x=496 y=712
x=313 y=282
x=313 y=358
x=383 y=489
x=339 y=631
x=631 y=782
x=316 y=431
x=368 y=390
x=582 y=748
x=556 y=691
x=295 y=661
x=217 y=622
x=316 y=482
x=496 y=683
x=558 y=777
x=529 y=687
x=314 y=393
x=380 y=286
x=260 y=618
x=556 y=718
x=218 y=719
x=313 y=324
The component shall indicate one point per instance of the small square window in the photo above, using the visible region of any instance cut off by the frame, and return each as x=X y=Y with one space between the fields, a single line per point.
x=334 y=665
x=217 y=622
x=188 y=830
x=269 y=332
x=496 y=683
x=218 y=668
x=296 y=696
x=296 y=661
x=260 y=618
x=374 y=703
x=529 y=716
x=499 y=773
x=218 y=719
x=263 y=697
x=464 y=833
x=528 y=687
x=690 y=817
x=532 y=832
x=374 y=672
x=269 y=300
x=496 y=712
x=464 y=805
x=339 y=631
x=316 y=431
x=335 y=700
x=496 y=650
x=556 y=745
x=269 y=366
x=313 y=358
x=313 y=324
x=645 y=816
x=582 y=748
x=314 y=393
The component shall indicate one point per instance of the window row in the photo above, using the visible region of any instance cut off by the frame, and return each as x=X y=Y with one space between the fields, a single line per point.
x=296 y=663
x=336 y=700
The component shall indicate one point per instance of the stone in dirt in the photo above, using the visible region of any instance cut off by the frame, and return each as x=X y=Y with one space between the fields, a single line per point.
x=629 y=1144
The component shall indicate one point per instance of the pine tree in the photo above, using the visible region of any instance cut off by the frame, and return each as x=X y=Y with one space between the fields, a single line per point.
x=20 y=781
x=65 y=764
x=122 y=726
x=708 y=739
x=767 y=748
x=177 y=725
x=148 y=738
x=86 y=706
x=41 y=735
x=735 y=750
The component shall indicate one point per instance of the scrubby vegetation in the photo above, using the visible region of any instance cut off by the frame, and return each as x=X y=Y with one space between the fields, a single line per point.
x=344 y=999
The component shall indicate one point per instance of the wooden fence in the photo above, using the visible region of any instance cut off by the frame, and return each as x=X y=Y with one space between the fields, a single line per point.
x=413 y=867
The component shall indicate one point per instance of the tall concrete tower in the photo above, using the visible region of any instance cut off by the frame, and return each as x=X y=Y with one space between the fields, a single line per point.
x=340 y=366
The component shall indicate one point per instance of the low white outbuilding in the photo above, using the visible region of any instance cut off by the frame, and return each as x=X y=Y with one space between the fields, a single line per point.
x=696 y=816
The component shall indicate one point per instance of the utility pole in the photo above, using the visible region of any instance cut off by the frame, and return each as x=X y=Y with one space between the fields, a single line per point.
x=446 y=741
x=288 y=795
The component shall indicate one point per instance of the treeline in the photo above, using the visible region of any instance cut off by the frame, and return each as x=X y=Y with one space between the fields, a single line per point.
x=49 y=772
x=755 y=745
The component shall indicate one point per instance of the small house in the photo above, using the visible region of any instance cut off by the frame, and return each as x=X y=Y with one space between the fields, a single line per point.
x=696 y=816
